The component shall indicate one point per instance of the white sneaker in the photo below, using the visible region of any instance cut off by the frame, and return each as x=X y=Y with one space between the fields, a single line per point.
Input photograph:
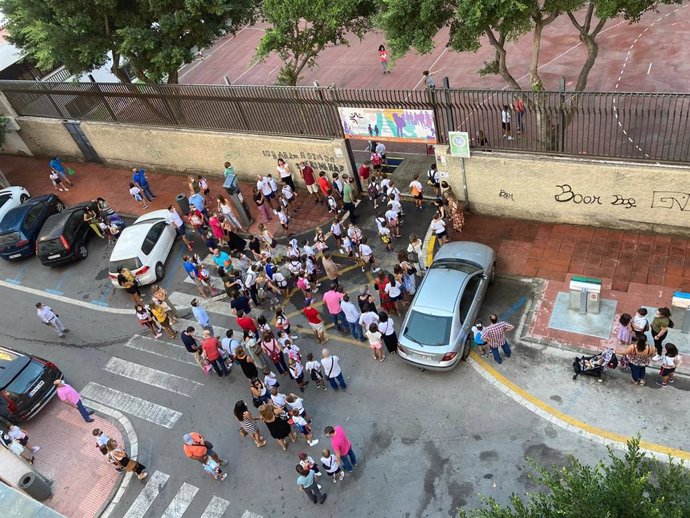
x=656 y=358
x=35 y=449
x=318 y=474
x=314 y=442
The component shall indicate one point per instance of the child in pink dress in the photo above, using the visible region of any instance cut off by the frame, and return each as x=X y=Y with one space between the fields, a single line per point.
x=625 y=331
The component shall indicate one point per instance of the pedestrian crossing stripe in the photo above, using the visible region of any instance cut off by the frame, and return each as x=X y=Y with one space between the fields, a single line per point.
x=216 y=282
x=144 y=500
x=132 y=405
x=167 y=350
x=216 y=508
x=153 y=377
x=184 y=323
x=184 y=301
x=181 y=501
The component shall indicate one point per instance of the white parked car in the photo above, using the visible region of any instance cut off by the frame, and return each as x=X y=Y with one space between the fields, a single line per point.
x=12 y=197
x=143 y=248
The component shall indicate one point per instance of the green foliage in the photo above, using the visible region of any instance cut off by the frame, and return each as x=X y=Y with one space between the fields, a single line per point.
x=155 y=36
x=301 y=29
x=632 y=486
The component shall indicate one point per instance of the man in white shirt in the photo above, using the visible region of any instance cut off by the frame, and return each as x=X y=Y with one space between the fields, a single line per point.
x=381 y=150
x=49 y=318
x=366 y=319
x=352 y=316
x=265 y=187
x=229 y=345
x=176 y=221
x=332 y=370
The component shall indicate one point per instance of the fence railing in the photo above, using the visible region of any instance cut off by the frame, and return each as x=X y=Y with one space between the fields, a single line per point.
x=630 y=126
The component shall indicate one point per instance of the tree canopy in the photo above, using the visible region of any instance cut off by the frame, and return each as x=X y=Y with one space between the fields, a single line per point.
x=413 y=24
x=301 y=29
x=634 y=485
x=156 y=37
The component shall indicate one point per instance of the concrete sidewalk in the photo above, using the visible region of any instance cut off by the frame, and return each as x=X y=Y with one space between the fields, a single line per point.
x=92 y=180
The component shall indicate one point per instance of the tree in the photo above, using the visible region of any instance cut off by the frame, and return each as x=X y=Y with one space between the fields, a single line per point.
x=301 y=29
x=156 y=37
x=630 y=486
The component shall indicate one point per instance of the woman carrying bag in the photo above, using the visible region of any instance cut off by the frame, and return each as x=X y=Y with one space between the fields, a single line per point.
x=639 y=355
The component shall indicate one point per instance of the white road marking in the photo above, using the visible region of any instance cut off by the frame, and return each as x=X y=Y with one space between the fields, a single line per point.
x=132 y=405
x=184 y=300
x=219 y=331
x=67 y=300
x=216 y=508
x=215 y=282
x=650 y=68
x=170 y=351
x=249 y=514
x=147 y=496
x=153 y=377
x=181 y=501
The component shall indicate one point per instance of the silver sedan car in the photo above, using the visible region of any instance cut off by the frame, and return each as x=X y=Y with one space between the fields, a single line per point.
x=437 y=331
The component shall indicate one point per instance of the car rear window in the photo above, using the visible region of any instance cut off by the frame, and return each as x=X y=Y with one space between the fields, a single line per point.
x=428 y=329
x=50 y=246
x=10 y=238
x=26 y=379
x=4 y=199
x=131 y=264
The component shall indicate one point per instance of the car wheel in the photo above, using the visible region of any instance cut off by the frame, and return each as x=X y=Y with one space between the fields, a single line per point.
x=467 y=348
x=59 y=206
x=492 y=277
x=23 y=198
x=160 y=271
x=82 y=252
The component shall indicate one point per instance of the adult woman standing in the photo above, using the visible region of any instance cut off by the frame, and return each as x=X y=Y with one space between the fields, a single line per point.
x=160 y=296
x=247 y=423
x=639 y=355
x=383 y=59
x=457 y=217
x=415 y=253
x=225 y=208
x=163 y=320
x=253 y=347
x=266 y=236
x=380 y=285
x=260 y=394
x=285 y=173
x=261 y=204
x=394 y=291
x=217 y=229
x=246 y=363
x=274 y=352
x=660 y=325
x=277 y=426
x=408 y=271
x=119 y=457
x=92 y=220
x=438 y=227
x=387 y=330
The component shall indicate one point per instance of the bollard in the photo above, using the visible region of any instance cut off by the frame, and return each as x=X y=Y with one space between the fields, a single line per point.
x=685 y=327
x=583 y=301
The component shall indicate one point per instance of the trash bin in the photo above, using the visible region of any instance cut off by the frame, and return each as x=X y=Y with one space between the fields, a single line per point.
x=183 y=203
x=230 y=183
x=35 y=486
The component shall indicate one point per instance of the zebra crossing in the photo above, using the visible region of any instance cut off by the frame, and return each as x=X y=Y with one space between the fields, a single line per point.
x=180 y=502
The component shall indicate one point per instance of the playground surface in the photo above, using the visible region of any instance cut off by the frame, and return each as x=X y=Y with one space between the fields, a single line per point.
x=632 y=58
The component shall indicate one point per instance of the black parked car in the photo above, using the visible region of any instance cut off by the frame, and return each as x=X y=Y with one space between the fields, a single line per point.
x=26 y=384
x=21 y=225
x=64 y=236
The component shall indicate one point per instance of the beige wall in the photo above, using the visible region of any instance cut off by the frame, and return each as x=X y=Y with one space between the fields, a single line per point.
x=574 y=191
x=47 y=137
x=185 y=151
x=207 y=151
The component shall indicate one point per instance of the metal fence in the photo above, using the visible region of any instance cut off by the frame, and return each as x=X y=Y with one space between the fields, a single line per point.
x=631 y=126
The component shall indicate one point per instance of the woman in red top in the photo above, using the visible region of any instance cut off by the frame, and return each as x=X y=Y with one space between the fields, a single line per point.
x=315 y=321
x=383 y=58
x=324 y=183
x=380 y=285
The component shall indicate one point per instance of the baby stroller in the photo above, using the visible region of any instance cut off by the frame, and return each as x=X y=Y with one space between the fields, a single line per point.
x=595 y=365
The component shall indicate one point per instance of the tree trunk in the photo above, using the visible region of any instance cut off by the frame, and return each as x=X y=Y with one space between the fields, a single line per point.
x=173 y=76
x=534 y=79
x=501 y=58
x=592 y=52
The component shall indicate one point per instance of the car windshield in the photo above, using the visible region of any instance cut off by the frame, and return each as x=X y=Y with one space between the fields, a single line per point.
x=26 y=379
x=4 y=198
x=131 y=264
x=10 y=238
x=461 y=265
x=428 y=329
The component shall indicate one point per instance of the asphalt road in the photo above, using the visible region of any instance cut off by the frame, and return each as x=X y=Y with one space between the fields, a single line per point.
x=427 y=442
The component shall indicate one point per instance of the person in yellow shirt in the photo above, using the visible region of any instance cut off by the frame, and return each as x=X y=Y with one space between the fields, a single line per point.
x=159 y=313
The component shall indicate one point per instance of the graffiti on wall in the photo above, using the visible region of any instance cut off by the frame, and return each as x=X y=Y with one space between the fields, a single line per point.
x=670 y=199
x=317 y=161
x=505 y=195
x=568 y=195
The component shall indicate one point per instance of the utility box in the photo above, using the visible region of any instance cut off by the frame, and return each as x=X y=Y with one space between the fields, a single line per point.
x=585 y=294
x=237 y=200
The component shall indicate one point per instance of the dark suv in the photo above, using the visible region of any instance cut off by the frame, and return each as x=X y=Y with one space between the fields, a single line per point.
x=26 y=384
x=21 y=225
x=64 y=236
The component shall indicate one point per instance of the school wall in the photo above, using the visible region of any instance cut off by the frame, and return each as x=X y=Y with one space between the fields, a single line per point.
x=186 y=151
x=606 y=194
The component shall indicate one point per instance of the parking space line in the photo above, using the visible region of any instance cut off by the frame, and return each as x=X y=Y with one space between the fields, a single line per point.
x=105 y=295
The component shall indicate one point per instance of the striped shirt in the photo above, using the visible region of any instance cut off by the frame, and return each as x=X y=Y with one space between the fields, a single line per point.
x=495 y=334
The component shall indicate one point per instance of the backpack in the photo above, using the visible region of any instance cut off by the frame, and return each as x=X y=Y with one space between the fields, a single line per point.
x=376 y=159
x=373 y=190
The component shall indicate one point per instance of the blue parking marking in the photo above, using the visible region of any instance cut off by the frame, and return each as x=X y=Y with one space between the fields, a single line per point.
x=54 y=292
x=105 y=296
x=513 y=309
x=19 y=277
x=175 y=262
x=57 y=290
